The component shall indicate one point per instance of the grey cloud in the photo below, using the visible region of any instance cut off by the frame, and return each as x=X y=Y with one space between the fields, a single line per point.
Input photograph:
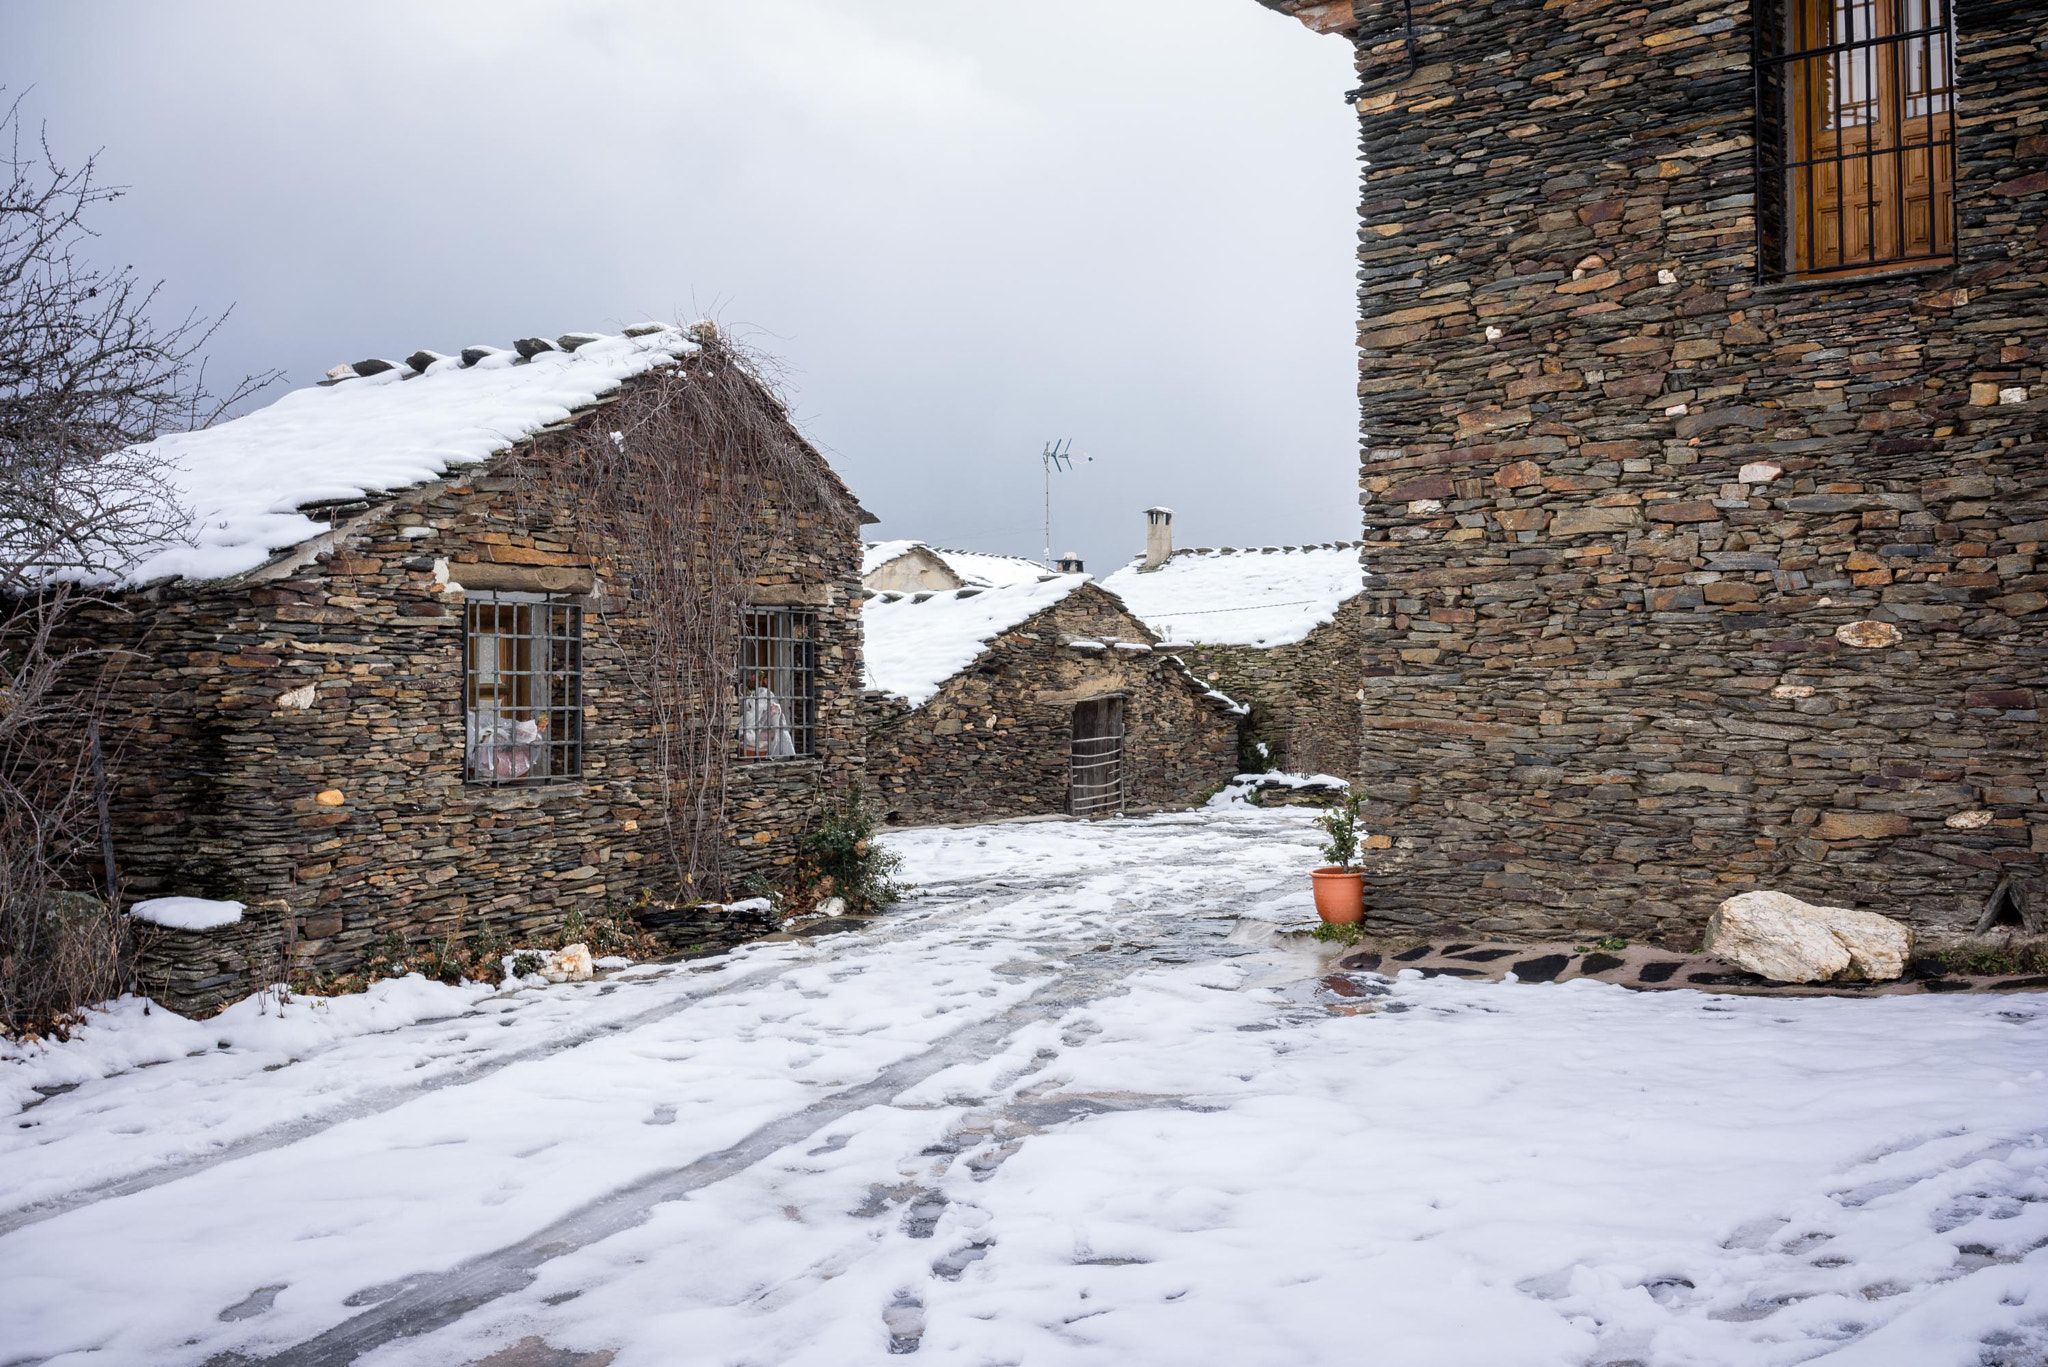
x=965 y=228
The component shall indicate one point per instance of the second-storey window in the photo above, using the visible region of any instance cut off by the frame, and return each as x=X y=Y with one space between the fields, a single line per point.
x=1856 y=135
x=777 y=682
x=523 y=685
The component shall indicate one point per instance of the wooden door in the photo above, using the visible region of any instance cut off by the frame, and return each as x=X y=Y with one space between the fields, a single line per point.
x=1096 y=758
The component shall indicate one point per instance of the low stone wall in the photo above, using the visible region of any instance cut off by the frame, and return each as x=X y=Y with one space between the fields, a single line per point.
x=195 y=971
x=994 y=741
x=706 y=927
x=1309 y=692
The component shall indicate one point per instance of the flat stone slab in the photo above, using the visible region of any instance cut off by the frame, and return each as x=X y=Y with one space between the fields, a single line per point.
x=1543 y=968
x=1646 y=967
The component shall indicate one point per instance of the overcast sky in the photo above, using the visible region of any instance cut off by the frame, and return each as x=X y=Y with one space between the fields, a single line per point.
x=965 y=228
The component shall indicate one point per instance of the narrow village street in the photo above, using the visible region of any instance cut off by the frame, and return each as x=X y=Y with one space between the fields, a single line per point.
x=1250 y=683
x=1079 y=1100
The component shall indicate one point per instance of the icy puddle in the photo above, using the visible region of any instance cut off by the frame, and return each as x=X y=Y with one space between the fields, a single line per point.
x=1073 y=1103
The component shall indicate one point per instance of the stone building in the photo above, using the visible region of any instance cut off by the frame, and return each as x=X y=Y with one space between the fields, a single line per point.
x=1701 y=387
x=914 y=567
x=1276 y=627
x=396 y=682
x=1030 y=699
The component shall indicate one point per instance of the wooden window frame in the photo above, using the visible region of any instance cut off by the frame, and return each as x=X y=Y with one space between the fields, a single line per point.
x=1855 y=141
x=522 y=688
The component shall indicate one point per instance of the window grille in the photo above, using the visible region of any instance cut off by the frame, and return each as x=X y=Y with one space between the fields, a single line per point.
x=1855 y=135
x=523 y=686
x=777 y=685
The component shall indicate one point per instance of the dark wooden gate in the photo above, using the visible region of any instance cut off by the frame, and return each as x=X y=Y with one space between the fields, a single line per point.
x=1097 y=786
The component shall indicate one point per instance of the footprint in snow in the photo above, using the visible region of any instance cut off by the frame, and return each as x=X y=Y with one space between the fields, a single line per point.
x=950 y=1266
x=904 y=1319
x=922 y=1217
x=255 y=1303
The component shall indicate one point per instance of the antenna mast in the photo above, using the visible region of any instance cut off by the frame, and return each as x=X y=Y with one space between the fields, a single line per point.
x=1055 y=456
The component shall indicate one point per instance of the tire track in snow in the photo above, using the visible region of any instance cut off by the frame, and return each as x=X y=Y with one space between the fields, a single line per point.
x=434 y=1301
x=378 y=1101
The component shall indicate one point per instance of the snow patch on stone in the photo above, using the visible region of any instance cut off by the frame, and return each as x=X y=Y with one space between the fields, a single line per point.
x=1236 y=792
x=187 y=913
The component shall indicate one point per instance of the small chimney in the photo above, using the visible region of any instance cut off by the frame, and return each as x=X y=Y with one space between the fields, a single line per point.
x=1158 y=537
x=1070 y=564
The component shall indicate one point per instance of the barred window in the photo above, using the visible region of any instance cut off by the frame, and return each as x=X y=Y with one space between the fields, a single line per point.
x=778 y=668
x=1855 y=136
x=523 y=681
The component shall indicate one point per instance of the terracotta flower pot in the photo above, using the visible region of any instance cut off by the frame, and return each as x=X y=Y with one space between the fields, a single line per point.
x=1340 y=895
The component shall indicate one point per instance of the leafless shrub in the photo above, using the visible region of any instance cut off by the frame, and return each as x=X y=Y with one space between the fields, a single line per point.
x=696 y=478
x=86 y=378
x=58 y=950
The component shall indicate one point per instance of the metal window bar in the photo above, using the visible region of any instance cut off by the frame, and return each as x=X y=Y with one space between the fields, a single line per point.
x=1855 y=135
x=777 y=704
x=522 y=688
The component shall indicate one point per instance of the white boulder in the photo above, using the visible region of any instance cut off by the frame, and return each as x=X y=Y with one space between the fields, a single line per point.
x=569 y=964
x=1760 y=933
x=1777 y=936
x=1878 y=946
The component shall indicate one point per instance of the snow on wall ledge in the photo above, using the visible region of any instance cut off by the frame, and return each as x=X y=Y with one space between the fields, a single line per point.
x=916 y=642
x=187 y=913
x=245 y=480
x=1273 y=596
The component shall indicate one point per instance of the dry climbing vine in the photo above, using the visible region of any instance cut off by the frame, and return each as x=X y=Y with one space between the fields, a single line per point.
x=690 y=483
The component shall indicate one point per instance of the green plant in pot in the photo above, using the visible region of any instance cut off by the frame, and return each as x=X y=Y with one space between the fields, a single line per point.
x=1339 y=885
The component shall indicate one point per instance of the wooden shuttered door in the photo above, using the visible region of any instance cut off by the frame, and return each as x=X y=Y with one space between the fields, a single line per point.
x=1857 y=97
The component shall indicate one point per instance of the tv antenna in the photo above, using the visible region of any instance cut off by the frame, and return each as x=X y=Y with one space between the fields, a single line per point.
x=1057 y=455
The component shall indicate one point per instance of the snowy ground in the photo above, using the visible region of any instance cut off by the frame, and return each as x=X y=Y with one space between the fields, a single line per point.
x=1075 y=1103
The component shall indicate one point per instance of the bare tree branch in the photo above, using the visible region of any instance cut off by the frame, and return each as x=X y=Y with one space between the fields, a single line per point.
x=86 y=376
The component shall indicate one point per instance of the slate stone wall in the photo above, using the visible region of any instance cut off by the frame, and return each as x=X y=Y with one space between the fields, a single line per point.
x=1309 y=691
x=1612 y=678
x=194 y=969
x=993 y=741
x=220 y=758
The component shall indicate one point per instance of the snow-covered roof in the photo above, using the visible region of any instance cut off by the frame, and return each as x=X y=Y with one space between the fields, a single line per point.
x=1266 y=596
x=917 y=641
x=363 y=433
x=996 y=571
x=977 y=569
x=875 y=554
